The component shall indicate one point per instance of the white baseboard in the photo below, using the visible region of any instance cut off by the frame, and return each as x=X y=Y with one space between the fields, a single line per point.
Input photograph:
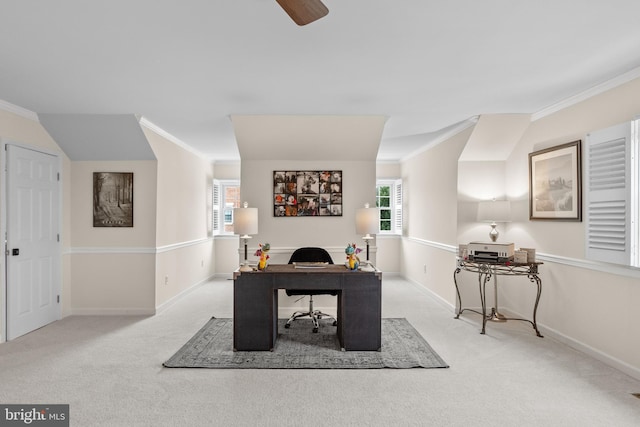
x=549 y=333
x=160 y=308
x=607 y=359
x=446 y=304
x=101 y=311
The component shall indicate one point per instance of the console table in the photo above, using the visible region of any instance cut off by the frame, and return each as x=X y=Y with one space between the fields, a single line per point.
x=485 y=271
x=255 y=304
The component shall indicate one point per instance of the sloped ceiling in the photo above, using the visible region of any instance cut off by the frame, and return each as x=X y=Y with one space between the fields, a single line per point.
x=282 y=137
x=85 y=137
x=188 y=65
x=495 y=136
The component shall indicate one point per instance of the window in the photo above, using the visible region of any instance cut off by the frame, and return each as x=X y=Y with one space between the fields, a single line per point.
x=389 y=202
x=612 y=195
x=226 y=197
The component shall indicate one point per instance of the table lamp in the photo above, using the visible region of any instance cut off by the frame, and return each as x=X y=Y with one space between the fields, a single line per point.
x=494 y=211
x=245 y=223
x=367 y=223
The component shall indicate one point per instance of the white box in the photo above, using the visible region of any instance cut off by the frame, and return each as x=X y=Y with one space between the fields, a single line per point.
x=520 y=257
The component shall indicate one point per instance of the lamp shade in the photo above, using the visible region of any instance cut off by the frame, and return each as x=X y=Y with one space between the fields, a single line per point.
x=245 y=221
x=494 y=211
x=367 y=221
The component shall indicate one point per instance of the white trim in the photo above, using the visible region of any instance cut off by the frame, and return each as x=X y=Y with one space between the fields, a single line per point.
x=171 y=301
x=437 y=245
x=136 y=250
x=227 y=236
x=591 y=92
x=174 y=246
x=113 y=311
x=289 y=250
x=579 y=346
x=110 y=250
x=545 y=330
x=386 y=236
x=143 y=121
x=441 y=138
x=424 y=289
x=15 y=109
x=620 y=270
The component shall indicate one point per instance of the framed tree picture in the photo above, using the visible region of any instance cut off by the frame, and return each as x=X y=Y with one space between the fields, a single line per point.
x=555 y=187
x=113 y=199
x=307 y=193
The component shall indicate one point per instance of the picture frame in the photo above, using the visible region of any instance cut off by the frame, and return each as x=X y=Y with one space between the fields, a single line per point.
x=555 y=183
x=113 y=199
x=307 y=193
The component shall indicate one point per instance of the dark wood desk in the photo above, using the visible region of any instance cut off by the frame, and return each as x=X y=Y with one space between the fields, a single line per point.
x=255 y=304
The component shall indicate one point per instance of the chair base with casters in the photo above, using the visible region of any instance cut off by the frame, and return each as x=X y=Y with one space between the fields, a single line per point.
x=310 y=254
x=315 y=315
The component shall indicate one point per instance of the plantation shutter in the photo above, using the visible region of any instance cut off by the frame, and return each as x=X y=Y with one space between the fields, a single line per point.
x=608 y=194
x=397 y=191
x=216 y=207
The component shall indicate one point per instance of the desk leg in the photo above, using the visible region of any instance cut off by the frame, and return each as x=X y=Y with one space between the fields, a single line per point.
x=455 y=282
x=483 y=278
x=538 y=282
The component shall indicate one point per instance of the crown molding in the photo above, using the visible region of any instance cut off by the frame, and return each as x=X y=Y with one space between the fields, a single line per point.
x=22 y=112
x=591 y=92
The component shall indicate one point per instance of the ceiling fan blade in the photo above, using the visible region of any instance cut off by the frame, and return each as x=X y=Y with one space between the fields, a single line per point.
x=304 y=12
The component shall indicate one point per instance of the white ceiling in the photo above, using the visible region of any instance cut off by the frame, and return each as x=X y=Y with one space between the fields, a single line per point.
x=427 y=66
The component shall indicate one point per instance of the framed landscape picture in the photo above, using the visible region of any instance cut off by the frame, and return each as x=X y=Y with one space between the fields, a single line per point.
x=555 y=187
x=307 y=193
x=113 y=199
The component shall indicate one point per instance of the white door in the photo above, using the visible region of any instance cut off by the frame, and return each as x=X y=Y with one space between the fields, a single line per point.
x=33 y=248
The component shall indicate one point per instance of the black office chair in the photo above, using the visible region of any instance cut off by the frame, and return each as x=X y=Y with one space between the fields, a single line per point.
x=310 y=254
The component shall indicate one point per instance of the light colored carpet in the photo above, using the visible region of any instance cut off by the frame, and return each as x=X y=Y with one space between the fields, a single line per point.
x=298 y=348
x=109 y=370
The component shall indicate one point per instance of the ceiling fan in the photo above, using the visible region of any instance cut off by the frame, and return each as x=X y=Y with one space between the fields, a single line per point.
x=304 y=12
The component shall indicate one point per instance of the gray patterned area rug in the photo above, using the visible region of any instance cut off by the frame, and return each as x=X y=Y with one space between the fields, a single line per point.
x=298 y=347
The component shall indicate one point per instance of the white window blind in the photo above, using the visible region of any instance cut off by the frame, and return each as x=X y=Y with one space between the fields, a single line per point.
x=397 y=189
x=216 y=207
x=610 y=225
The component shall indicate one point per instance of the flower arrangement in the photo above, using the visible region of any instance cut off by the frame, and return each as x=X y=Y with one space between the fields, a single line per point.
x=352 y=256
x=263 y=253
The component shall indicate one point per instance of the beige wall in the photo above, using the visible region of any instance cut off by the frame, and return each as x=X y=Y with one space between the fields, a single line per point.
x=112 y=269
x=334 y=232
x=185 y=247
x=596 y=311
x=128 y=270
x=143 y=232
x=430 y=202
x=590 y=306
x=287 y=234
x=386 y=249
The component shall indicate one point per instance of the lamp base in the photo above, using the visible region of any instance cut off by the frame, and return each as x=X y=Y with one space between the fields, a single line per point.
x=493 y=234
x=245 y=267
x=367 y=266
x=496 y=317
